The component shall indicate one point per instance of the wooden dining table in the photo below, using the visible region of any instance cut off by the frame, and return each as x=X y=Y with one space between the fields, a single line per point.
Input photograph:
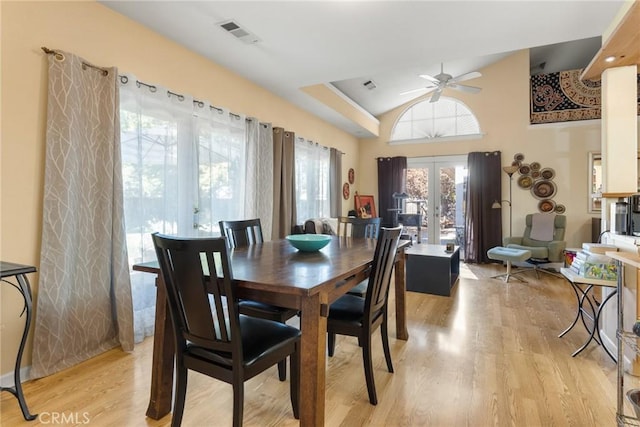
x=276 y=273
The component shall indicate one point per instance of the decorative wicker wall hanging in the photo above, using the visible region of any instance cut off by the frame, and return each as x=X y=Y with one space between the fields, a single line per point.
x=539 y=181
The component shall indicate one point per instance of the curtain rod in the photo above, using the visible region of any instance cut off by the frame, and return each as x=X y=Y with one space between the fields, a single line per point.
x=181 y=97
x=60 y=57
x=302 y=139
x=124 y=80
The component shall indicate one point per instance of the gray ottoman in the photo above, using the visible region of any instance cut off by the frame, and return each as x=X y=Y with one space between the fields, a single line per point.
x=509 y=255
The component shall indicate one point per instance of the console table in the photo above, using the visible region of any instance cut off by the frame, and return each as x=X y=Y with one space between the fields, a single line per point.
x=18 y=271
x=586 y=307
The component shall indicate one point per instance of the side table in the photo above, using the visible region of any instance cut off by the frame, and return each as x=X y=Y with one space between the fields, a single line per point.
x=19 y=272
x=586 y=307
x=431 y=269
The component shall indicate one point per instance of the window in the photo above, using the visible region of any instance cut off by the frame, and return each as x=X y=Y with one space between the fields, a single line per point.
x=312 y=180
x=425 y=120
x=183 y=167
x=183 y=170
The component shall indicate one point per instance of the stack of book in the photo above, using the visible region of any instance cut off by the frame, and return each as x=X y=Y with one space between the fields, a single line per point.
x=591 y=262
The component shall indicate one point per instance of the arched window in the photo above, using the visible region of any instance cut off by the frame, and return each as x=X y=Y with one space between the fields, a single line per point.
x=446 y=119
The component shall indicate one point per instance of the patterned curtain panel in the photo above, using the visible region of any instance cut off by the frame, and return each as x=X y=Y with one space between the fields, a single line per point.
x=563 y=97
x=84 y=296
x=259 y=179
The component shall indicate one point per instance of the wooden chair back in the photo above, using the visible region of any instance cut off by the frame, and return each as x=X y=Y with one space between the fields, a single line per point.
x=241 y=233
x=358 y=227
x=380 y=276
x=196 y=302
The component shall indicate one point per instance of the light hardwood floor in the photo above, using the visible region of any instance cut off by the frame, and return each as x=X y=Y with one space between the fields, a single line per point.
x=488 y=355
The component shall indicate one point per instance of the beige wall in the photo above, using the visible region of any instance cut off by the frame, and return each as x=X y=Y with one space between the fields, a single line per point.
x=502 y=109
x=104 y=38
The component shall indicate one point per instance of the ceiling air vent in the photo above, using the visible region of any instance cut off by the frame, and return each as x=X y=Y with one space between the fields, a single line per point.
x=233 y=28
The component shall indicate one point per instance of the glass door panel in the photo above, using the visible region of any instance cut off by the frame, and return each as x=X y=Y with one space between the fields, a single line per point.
x=436 y=187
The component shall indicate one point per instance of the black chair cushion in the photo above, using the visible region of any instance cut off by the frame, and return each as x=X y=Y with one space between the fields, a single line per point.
x=261 y=306
x=360 y=289
x=259 y=337
x=347 y=308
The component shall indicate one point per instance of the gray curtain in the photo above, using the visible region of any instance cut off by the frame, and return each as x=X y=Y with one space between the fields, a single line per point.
x=335 y=183
x=284 y=198
x=259 y=175
x=392 y=178
x=84 y=294
x=483 y=226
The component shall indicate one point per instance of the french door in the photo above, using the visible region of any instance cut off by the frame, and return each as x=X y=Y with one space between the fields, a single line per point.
x=436 y=186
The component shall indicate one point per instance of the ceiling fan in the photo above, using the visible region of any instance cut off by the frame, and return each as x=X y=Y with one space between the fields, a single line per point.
x=440 y=81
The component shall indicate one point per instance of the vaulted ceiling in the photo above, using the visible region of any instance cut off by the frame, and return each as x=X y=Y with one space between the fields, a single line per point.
x=319 y=54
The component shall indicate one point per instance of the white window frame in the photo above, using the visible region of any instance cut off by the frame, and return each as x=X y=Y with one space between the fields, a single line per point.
x=433 y=118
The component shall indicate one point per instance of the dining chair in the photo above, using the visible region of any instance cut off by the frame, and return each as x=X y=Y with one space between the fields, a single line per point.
x=360 y=317
x=243 y=233
x=358 y=227
x=211 y=335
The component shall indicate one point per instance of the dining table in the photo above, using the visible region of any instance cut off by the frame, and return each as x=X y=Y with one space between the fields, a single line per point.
x=275 y=272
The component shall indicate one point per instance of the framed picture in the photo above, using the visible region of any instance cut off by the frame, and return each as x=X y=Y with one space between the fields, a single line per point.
x=365 y=206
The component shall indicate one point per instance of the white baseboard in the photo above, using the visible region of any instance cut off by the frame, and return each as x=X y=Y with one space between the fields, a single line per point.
x=613 y=347
x=6 y=380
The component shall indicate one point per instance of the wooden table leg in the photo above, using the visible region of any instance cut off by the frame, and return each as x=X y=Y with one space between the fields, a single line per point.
x=162 y=364
x=402 y=333
x=312 y=361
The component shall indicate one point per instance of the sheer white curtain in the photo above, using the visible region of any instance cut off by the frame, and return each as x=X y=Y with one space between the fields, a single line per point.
x=221 y=151
x=183 y=168
x=312 y=180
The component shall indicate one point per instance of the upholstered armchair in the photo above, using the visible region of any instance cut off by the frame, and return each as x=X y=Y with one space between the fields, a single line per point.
x=552 y=249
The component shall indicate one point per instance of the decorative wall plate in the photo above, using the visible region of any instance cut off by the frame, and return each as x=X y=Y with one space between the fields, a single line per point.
x=548 y=173
x=543 y=189
x=535 y=174
x=546 y=205
x=560 y=209
x=345 y=191
x=525 y=181
x=518 y=157
x=524 y=169
x=352 y=176
x=516 y=163
x=535 y=166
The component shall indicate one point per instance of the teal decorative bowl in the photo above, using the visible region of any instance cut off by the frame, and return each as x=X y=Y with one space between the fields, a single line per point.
x=309 y=242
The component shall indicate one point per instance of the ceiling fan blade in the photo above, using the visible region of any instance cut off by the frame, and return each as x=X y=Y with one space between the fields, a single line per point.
x=431 y=79
x=422 y=89
x=467 y=76
x=436 y=96
x=465 y=88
